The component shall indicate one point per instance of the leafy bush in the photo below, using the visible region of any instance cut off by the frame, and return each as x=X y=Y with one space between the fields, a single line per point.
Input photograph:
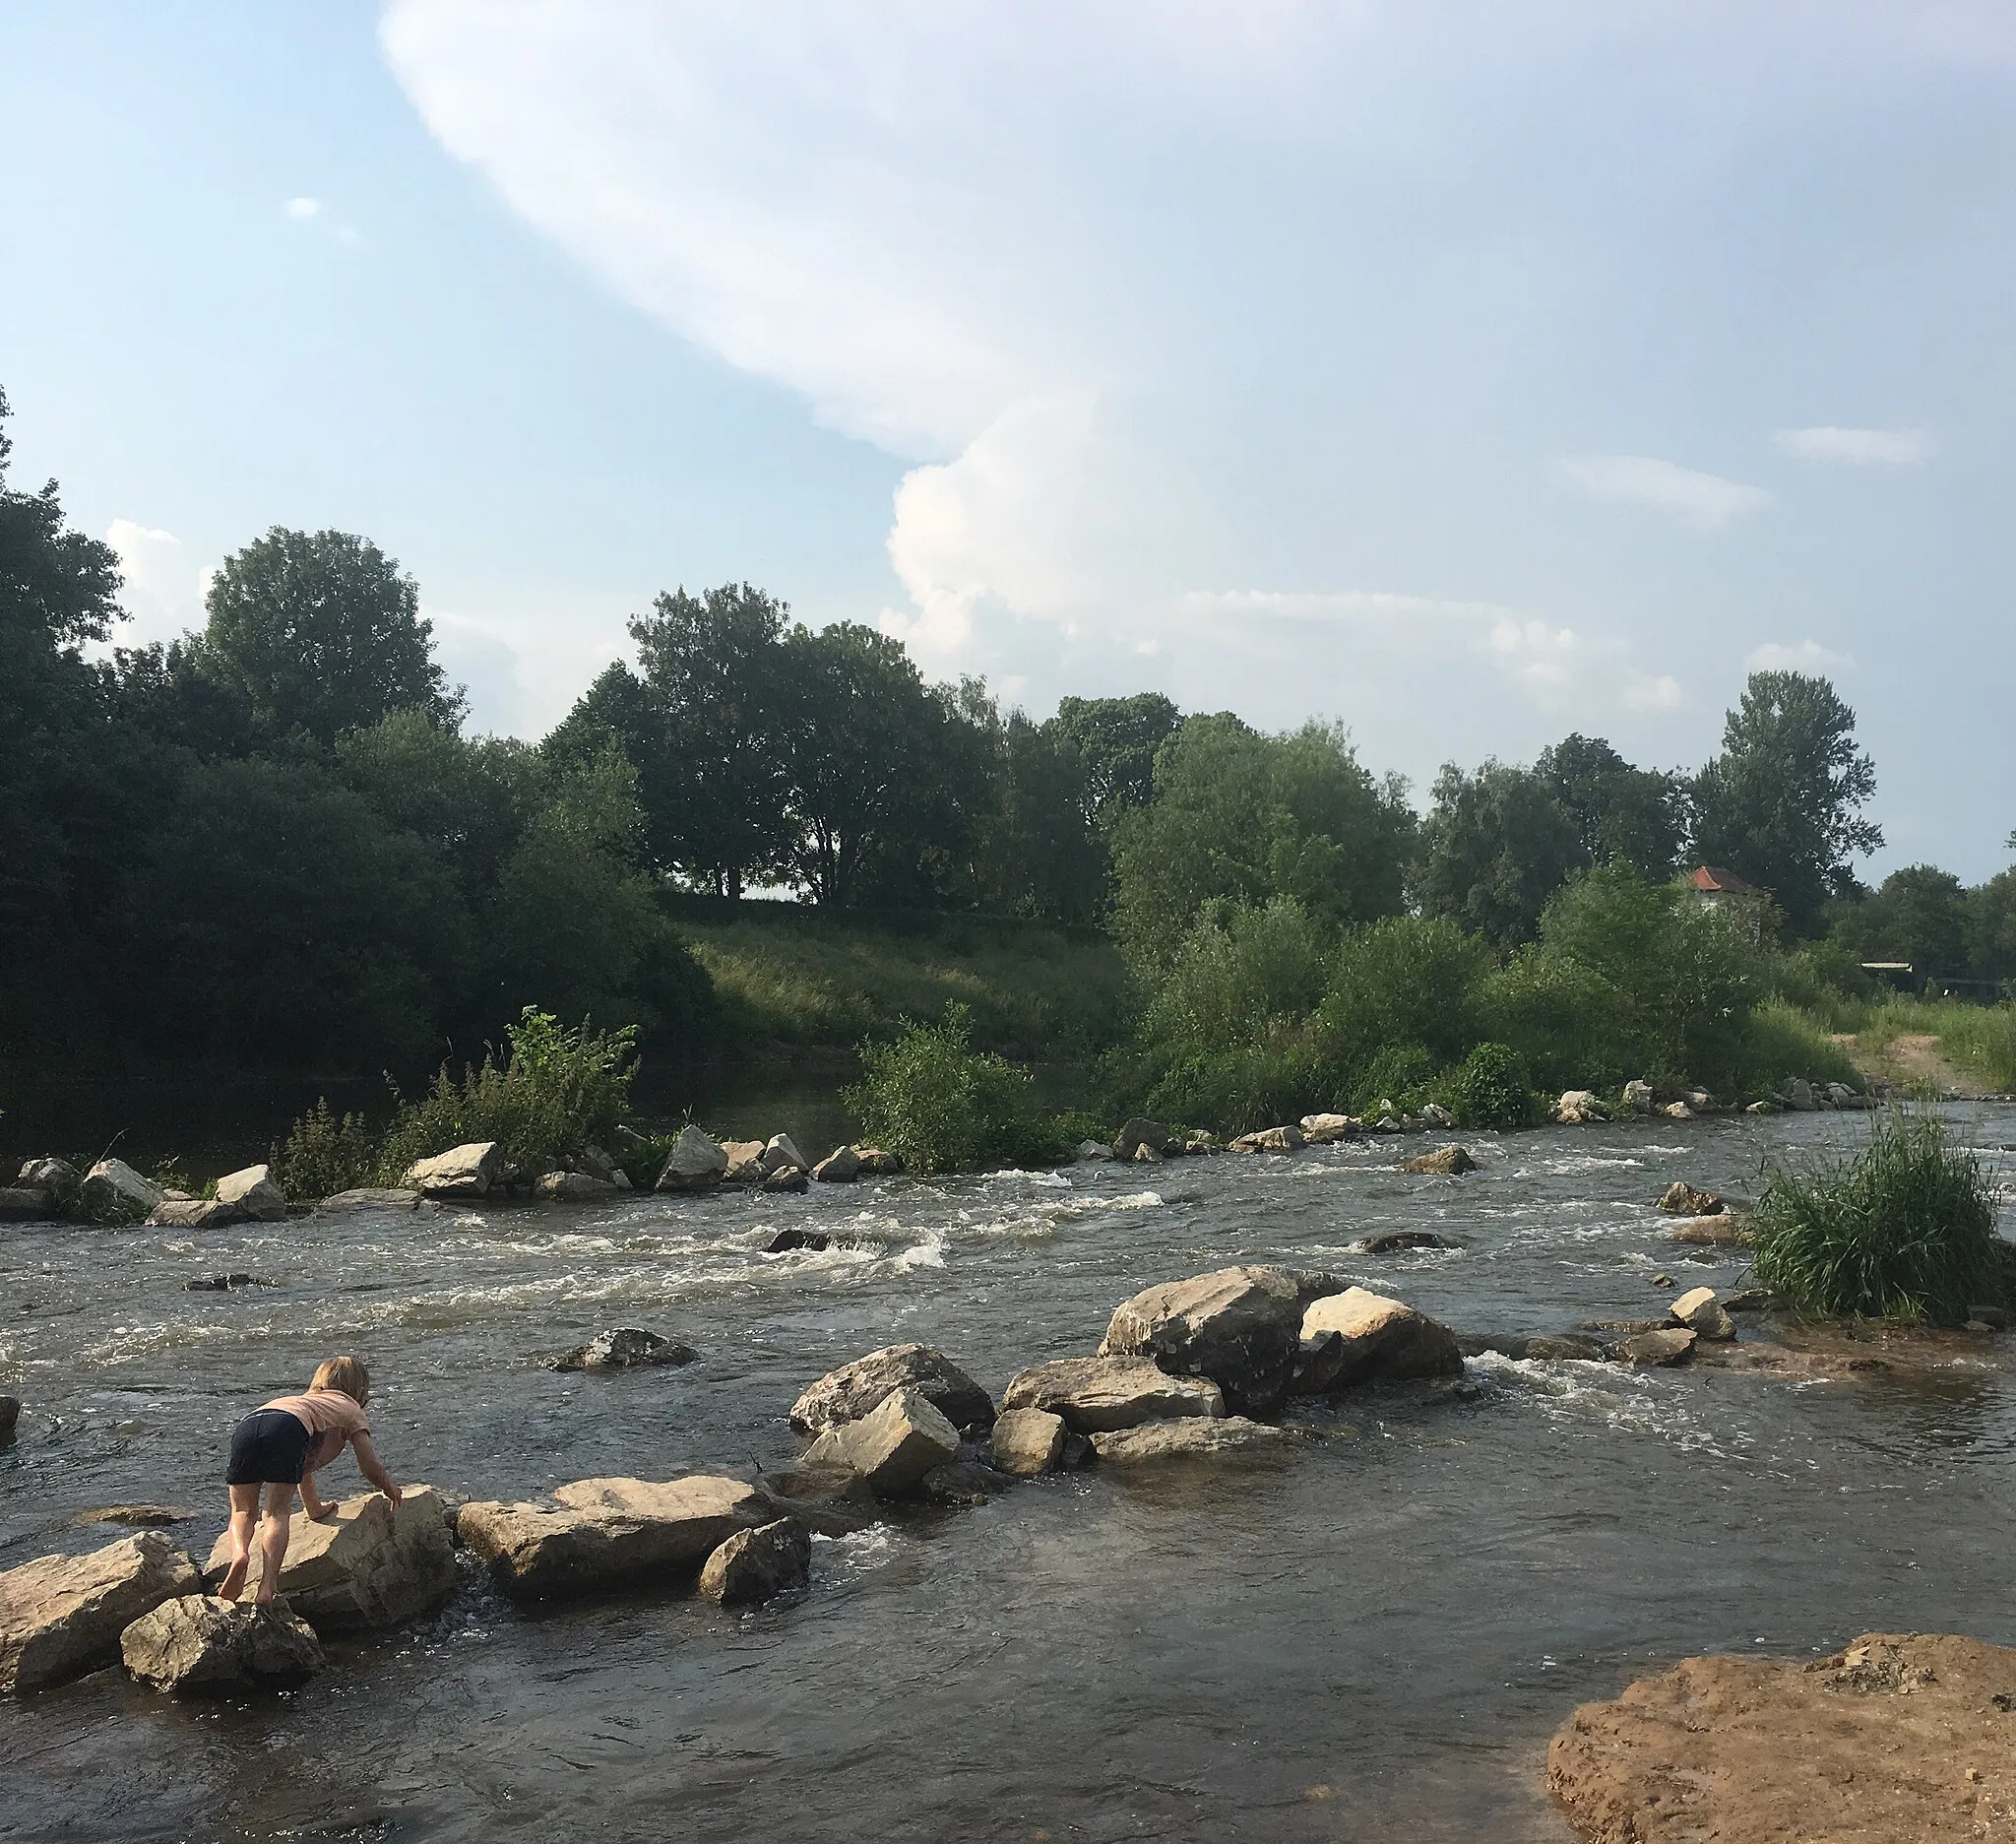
x=558 y=1090
x=324 y=1154
x=1399 y=1073
x=1491 y=1089
x=941 y=1106
x=1906 y=1231
x=1258 y=1083
x=1404 y=980
x=1240 y=971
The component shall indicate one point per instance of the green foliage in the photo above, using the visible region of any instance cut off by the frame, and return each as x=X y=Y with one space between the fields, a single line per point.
x=1492 y=1089
x=1404 y=980
x=942 y=1106
x=1403 y=1074
x=325 y=1154
x=1906 y=1231
x=1918 y=914
x=1115 y=740
x=558 y=1090
x=1040 y=853
x=1241 y=973
x=1495 y=848
x=1622 y=815
x=643 y=1157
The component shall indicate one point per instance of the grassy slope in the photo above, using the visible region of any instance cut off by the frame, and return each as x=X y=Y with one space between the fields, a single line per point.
x=1033 y=992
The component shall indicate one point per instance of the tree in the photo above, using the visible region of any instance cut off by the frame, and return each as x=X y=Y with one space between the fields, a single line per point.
x=1992 y=927
x=1622 y=815
x=1781 y=805
x=1039 y=853
x=1495 y=848
x=320 y=633
x=714 y=668
x=1115 y=740
x=1919 y=915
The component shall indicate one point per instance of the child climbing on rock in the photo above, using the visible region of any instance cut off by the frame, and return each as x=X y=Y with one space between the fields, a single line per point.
x=281 y=1446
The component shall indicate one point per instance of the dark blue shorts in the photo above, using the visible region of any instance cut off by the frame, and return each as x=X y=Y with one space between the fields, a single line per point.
x=268 y=1448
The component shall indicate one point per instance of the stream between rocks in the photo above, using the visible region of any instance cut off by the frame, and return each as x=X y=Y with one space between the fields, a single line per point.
x=1370 y=1636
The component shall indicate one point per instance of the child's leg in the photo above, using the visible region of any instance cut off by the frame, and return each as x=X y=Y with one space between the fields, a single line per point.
x=244 y=1513
x=273 y=1541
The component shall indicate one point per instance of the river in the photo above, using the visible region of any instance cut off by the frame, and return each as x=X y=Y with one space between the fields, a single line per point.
x=1369 y=1637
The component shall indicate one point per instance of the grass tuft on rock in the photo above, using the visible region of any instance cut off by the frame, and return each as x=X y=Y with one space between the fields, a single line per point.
x=1904 y=1230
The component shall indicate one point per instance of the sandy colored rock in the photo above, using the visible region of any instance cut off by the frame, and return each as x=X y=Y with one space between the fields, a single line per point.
x=1139 y=1132
x=758 y=1564
x=372 y=1197
x=1449 y=1161
x=1241 y=1327
x=61 y=1616
x=460 y=1171
x=1901 y=1739
x=1703 y=1314
x=1724 y=1230
x=1095 y=1395
x=695 y=1163
x=1028 y=1442
x=58 y=1177
x=1681 y=1199
x=781 y=1150
x=1186 y=1439
x=198 y=1639
x=581 y=1187
x=892 y=1446
x=858 y=1389
x=840 y=1167
x=112 y=1189
x=1578 y=1108
x=627 y=1347
x=786 y=1179
x=194 y=1213
x=364 y=1566
x=1322 y=1130
x=1663 y=1347
x=745 y=1162
x=133 y=1517
x=1359 y=1336
x=609 y=1531
x=254 y=1191
x=1269 y=1140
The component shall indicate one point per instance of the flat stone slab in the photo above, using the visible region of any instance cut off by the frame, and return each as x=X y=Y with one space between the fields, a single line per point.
x=373 y=1197
x=892 y=1447
x=61 y=1616
x=858 y=1389
x=364 y=1566
x=1901 y=1739
x=1189 y=1439
x=1095 y=1395
x=198 y=1641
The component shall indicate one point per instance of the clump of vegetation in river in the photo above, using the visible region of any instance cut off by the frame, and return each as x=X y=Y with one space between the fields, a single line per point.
x=941 y=1106
x=325 y=1153
x=1906 y=1230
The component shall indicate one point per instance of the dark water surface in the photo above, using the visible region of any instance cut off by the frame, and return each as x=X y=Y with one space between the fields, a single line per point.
x=1371 y=1637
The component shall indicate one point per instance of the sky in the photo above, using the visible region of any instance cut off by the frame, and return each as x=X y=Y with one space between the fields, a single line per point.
x=1463 y=374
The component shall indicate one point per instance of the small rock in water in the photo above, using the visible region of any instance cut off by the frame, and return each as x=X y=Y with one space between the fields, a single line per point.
x=200 y=1639
x=1752 y=1299
x=374 y=1197
x=1681 y=1199
x=575 y=1186
x=1702 y=1313
x=842 y=1165
x=1666 y=1346
x=1028 y=1442
x=962 y=1482
x=1572 y=1346
x=1194 y=1437
x=876 y=1164
x=1323 y=1130
x=1094 y=1149
x=1434 y=1115
x=1137 y=1134
x=1285 y=1140
x=625 y=1349
x=10 y=1414
x=788 y=1178
x=756 y=1565
x=1394 y=1241
x=784 y=1240
x=134 y=1516
x=224 y=1282
x=1450 y=1161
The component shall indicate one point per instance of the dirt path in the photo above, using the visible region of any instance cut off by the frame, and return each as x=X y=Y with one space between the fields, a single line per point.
x=1911 y=1059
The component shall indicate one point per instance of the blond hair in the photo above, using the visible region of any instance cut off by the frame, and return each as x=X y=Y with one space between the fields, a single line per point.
x=347 y=1375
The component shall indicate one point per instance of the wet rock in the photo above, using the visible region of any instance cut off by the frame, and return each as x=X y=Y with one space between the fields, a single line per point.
x=609 y=1531
x=961 y=1482
x=1140 y=1132
x=627 y=1347
x=843 y=1166
x=61 y=1616
x=786 y=1179
x=253 y=1192
x=224 y=1282
x=1449 y=1161
x=892 y=1446
x=1146 y=1155
x=1753 y=1299
x=1359 y=1336
x=1626 y=1328
x=877 y=1164
x=1093 y=1150
x=198 y=1640
x=858 y=1389
x=373 y=1197
x=1842 y=1096
x=194 y=1213
x=784 y=1240
x=833 y=1501
x=1669 y=1345
x=1578 y=1108
x=366 y=1564
x=471 y=1170
x=27 y=1203
x=1725 y=1231
x=135 y=1516
x=1675 y=1111
x=58 y=1177
x=1764 y=1108
x=759 y=1564
x=1434 y=1115
x=1573 y=1346
x=780 y=1150
x=1799 y=1096
x=1681 y=1199
x=112 y=1189
x=1638 y=1098
x=1995 y=1319
x=1240 y=1326
x=1269 y=1140
x=1028 y=1442
x=10 y=1415
x=1703 y=1314
x=1397 y=1242
x=744 y=1162
x=1699 y=1100
x=1095 y=1395
x=1190 y=1440
x=580 y=1187
x=1897 y=1740
x=1323 y=1130
x=695 y=1162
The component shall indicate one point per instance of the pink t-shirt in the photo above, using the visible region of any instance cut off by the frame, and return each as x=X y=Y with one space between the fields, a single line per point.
x=333 y=1421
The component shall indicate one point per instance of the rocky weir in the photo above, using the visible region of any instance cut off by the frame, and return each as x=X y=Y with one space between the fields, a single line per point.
x=1443 y=1565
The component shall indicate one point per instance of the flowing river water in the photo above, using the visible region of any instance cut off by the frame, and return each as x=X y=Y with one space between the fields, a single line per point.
x=1371 y=1637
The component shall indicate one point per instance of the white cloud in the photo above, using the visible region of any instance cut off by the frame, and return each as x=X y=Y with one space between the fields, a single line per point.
x=1663 y=693
x=303 y=207
x=1807 y=657
x=1703 y=500
x=163 y=588
x=1860 y=448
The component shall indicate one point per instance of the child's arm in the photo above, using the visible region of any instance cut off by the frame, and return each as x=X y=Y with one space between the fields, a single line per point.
x=373 y=1468
x=312 y=1501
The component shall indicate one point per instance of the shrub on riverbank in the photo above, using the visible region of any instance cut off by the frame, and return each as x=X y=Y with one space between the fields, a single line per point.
x=941 y=1106
x=1905 y=1230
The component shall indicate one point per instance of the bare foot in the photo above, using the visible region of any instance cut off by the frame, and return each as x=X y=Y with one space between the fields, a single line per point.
x=262 y=1599
x=233 y=1583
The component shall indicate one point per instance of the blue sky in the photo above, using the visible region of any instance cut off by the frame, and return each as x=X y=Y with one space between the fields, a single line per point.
x=1466 y=374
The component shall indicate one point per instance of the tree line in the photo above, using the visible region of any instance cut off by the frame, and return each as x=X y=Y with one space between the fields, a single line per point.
x=273 y=842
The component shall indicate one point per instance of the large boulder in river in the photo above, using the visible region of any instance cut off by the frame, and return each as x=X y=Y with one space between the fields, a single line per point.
x=1241 y=1327
x=758 y=1564
x=1140 y=1132
x=253 y=1192
x=26 y=1203
x=194 y=1213
x=460 y=1171
x=627 y=1347
x=57 y=1176
x=892 y=1446
x=781 y=1150
x=696 y=1162
x=608 y=1531
x=366 y=1564
x=1094 y=1395
x=858 y=1389
x=1187 y=1441
x=1681 y=1199
x=198 y=1639
x=111 y=1188
x=1287 y=1139
x=1449 y=1161
x=1027 y=1441
x=61 y=1616
x=1359 y=1336
x=1903 y=1738
x=842 y=1165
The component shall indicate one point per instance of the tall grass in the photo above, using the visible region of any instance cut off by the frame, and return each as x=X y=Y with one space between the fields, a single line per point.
x=1904 y=1230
